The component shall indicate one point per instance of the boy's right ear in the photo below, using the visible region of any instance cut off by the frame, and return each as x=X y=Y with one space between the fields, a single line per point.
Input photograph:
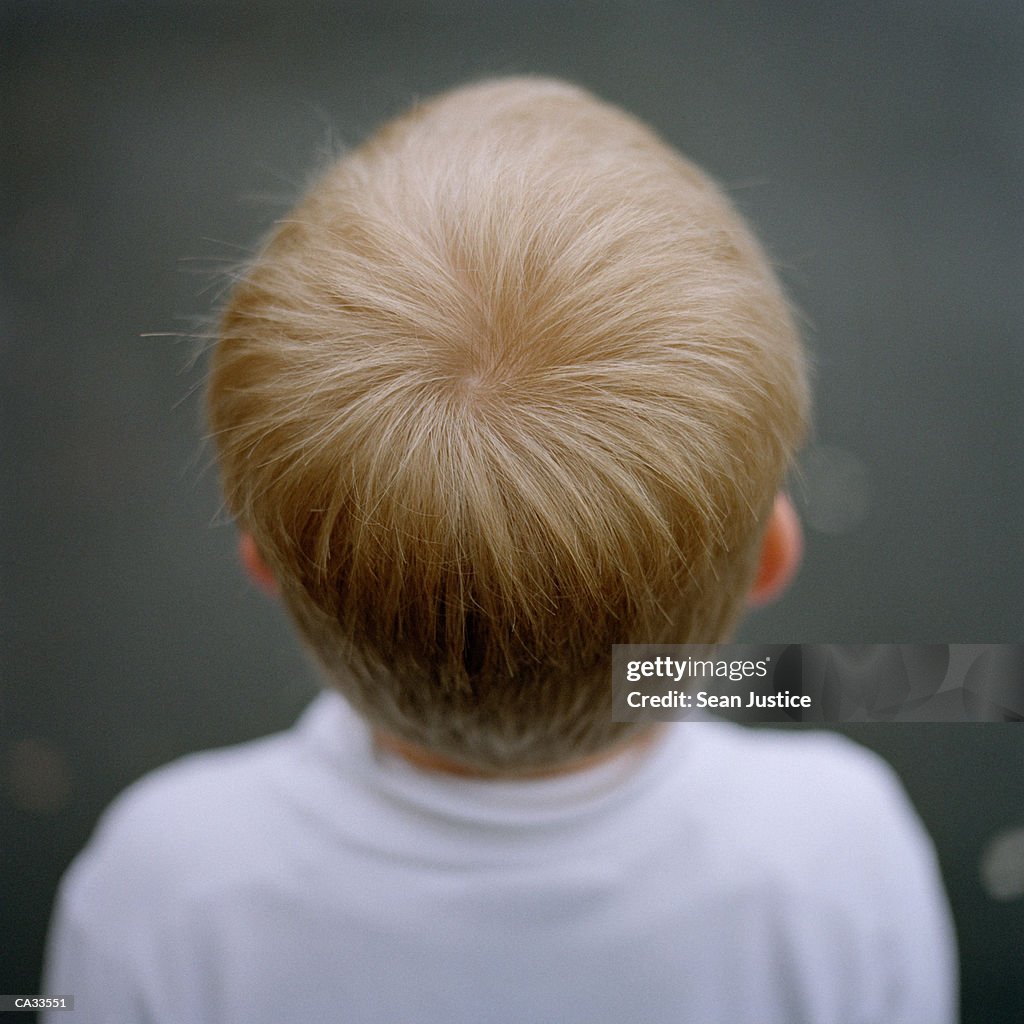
x=256 y=569
x=781 y=550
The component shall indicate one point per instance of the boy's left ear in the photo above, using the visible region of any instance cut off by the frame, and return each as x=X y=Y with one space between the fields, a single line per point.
x=782 y=548
x=255 y=568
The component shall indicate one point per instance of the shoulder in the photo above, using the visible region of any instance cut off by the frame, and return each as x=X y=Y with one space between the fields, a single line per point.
x=816 y=834
x=185 y=830
x=191 y=853
x=813 y=810
x=799 y=769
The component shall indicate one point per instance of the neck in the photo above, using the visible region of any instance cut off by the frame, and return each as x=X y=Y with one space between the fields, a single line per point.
x=431 y=761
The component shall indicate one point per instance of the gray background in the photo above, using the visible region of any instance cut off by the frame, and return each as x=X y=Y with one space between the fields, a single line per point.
x=145 y=147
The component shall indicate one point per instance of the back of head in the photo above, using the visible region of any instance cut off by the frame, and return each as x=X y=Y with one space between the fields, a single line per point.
x=513 y=383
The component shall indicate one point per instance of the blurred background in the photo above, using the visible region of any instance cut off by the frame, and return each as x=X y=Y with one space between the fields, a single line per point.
x=145 y=147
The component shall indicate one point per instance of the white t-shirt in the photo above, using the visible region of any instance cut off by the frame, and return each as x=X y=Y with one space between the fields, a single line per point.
x=719 y=875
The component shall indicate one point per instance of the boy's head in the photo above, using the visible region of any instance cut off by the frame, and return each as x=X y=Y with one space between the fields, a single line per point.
x=513 y=383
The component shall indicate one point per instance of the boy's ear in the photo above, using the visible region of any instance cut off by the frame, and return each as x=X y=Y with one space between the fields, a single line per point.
x=256 y=569
x=782 y=547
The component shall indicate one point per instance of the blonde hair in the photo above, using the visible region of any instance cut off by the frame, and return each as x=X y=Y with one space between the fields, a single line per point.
x=513 y=383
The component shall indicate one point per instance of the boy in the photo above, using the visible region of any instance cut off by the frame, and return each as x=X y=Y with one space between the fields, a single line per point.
x=513 y=383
